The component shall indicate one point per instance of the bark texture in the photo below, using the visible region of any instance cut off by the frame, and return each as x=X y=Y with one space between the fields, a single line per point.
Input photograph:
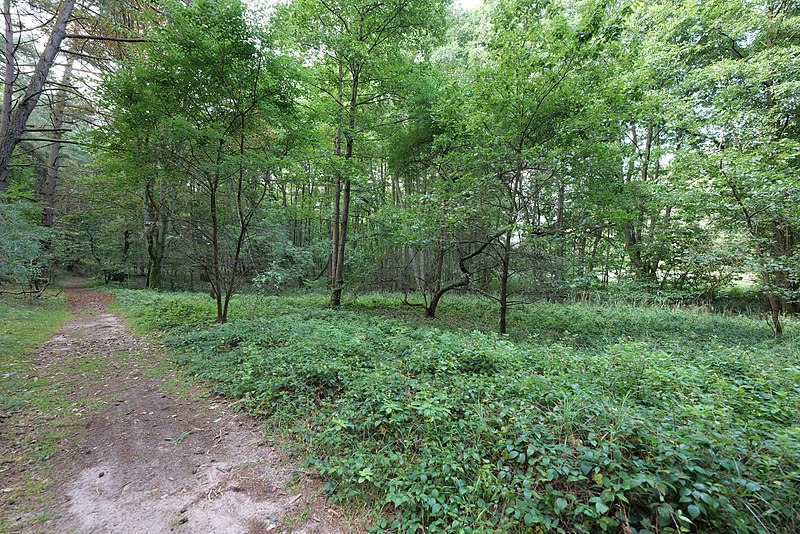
x=11 y=130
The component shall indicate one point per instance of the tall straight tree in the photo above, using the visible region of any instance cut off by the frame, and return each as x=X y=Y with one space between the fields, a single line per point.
x=54 y=151
x=360 y=50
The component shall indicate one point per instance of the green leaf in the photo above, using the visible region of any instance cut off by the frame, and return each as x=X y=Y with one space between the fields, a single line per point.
x=601 y=507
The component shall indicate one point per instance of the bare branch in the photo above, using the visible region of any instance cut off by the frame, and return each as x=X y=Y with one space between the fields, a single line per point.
x=105 y=38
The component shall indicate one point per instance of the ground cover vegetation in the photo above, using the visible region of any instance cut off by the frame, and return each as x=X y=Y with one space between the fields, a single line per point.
x=506 y=168
x=33 y=416
x=590 y=418
x=26 y=325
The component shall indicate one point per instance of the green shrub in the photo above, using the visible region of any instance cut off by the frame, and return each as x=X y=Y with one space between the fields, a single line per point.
x=165 y=311
x=25 y=259
x=600 y=419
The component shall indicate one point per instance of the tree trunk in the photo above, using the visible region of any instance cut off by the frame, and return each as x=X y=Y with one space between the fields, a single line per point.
x=216 y=274
x=153 y=271
x=775 y=313
x=10 y=72
x=337 y=215
x=18 y=117
x=245 y=216
x=155 y=255
x=635 y=229
x=54 y=155
x=158 y=209
x=430 y=310
x=504 y=281
x=338 y=283
x=439 y=291
x=337 y=261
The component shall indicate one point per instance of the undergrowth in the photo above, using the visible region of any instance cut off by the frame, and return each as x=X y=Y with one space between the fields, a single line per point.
x=588 y=419
x=28 y=428
x=26 y=324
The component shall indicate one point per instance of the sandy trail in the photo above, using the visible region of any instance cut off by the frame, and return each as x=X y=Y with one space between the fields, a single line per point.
x=149 y=461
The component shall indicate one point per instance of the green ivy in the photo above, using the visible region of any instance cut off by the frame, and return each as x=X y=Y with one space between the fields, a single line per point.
x=464 y=431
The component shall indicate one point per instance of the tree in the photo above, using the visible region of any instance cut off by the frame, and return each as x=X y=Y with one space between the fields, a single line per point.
x=15 y=113
x=737 y=83
x=520 y=92
x=360 y=49
x=221 y=138
x=22 y=243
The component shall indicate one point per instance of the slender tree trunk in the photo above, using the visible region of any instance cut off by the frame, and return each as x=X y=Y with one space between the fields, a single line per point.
x=11 y=131
x=155 y=249
x=54 y=155
x=775 y=313
x=337 y=210
x=216 y=262
x=245 y=216
x=10 y=72
x=504 y=281
x=336 y=296
x=337 y=215
x=340 y=244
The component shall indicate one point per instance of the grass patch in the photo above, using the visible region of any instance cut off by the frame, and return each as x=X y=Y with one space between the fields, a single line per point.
x=28 y=432
x=587 y=419
x=25 y=326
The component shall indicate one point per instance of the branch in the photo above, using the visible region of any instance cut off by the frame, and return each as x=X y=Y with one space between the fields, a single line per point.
x=733 y=45
x=41 y=130
x=413 y=304
x=86 y=56
x=34 y=293
x=51 y=141
x=105 y=38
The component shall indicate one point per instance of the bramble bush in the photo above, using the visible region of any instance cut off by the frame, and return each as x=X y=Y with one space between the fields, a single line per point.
x=643 y=420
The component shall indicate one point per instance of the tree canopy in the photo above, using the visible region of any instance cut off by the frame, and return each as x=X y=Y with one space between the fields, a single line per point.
x=522 y=150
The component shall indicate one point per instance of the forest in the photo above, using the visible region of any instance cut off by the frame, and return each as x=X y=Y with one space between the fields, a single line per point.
x=527 y=265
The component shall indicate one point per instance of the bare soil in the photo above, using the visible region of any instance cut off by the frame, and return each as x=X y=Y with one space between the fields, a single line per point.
x=148 y=460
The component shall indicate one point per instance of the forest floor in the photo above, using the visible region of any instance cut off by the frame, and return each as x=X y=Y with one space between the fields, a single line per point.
x=143 y=451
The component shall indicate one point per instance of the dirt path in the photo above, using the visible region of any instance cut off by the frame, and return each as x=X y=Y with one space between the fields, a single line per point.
x=152 y=461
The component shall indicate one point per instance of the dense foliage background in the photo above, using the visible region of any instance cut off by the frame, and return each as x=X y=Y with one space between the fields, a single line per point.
x=527 y=149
